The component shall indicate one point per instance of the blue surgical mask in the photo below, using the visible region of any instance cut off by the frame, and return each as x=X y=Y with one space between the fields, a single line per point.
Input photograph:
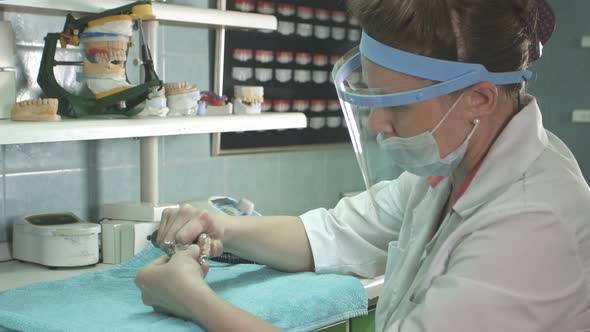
x=420 y=154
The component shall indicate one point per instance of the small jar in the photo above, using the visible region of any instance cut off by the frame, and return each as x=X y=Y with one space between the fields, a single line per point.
x=338 y=33
x=333 y=121
x=264 y=56
x=334 y=58
x=284 y=57
x=333 y=105
x=320 y=60
x=321 y=31
x=242 y=54
x=302 y=75
x=267 y=105
x=322 y=14
x=304 y=12
x=263 y=74
x=316 y=122
x=281 y=105
x=354 y=35
x=301 y=105
x=338 y=16
x=242 y=74
x=266 y=7
x=286 y=9
x=319 y=76
x=304 y=29
x=303 y=58
x=245 y=5
x=318 y=105
x=286 y=28
x=283 y=75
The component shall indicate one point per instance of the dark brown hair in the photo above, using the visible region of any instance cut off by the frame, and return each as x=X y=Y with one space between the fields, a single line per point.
x=489 y=32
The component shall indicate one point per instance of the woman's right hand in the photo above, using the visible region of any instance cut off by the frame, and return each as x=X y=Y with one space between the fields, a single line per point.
x=184 y=225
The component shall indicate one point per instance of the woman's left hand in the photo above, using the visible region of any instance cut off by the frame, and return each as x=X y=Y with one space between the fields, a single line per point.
x=171 y=285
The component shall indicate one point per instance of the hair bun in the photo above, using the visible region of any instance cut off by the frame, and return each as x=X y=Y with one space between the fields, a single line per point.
x=541 y=24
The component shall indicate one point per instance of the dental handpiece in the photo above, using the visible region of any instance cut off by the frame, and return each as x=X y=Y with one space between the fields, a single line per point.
x=170 y=247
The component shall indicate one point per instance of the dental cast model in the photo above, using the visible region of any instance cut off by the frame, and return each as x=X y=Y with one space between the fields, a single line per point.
x=155 y=105
x=105 y=42
x=248 y=99
x=183 y=98
x=36 y=110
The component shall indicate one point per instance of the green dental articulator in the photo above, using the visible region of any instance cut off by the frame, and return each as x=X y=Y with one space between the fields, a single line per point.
x=128 y=100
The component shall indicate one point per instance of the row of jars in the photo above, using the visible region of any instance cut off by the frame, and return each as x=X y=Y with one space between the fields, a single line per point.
x=284 y=57
x=300 y=105
x=287 y=75
x=319 y=31
x=290 y=10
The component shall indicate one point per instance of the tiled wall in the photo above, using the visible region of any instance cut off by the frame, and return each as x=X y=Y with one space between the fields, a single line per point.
x=563 y=78
x=80 y=176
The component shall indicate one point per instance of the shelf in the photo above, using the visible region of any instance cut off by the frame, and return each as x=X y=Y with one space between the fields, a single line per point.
x=12 y=132
x=163 y=12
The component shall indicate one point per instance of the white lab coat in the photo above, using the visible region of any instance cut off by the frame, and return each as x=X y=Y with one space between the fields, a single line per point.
x=514 y=255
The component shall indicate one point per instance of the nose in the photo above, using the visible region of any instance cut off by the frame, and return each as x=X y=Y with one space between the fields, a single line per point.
x=380 y=121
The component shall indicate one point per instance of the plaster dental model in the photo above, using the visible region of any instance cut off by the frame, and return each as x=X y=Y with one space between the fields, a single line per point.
x=36 y=110
x=105 y=43
x=215 y=104
x=155 y=105
x=248 y=99
x=183 y=98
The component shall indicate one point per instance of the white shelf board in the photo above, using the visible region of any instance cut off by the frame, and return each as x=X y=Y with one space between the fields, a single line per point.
x=163 y=11
x=14 y=132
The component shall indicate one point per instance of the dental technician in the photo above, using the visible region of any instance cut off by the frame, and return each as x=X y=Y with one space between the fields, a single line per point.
x=488 y=228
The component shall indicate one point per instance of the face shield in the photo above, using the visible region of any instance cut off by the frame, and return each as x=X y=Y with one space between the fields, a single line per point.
x=374 y=95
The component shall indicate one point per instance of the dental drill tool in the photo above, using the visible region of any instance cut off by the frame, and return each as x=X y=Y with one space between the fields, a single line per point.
x=170 y=247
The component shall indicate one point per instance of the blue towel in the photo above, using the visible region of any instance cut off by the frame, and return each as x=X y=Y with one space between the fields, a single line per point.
x=108 y=300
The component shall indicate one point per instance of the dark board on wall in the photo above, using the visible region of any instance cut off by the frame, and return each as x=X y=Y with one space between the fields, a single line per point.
x=294 y=65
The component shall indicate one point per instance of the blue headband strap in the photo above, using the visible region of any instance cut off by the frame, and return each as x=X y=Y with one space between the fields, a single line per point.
x=430 y=68
x=453 y=76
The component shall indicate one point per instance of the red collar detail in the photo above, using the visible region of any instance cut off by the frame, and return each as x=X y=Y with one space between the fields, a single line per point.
x=435 y=180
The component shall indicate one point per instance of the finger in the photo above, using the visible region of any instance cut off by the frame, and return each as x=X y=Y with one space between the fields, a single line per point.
x=168 y=231
x=167 y=217
x=194 y=253
x=197 y=225
x=184 y=216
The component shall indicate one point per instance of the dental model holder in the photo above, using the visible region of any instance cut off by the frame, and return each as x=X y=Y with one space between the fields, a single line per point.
x=128 y=101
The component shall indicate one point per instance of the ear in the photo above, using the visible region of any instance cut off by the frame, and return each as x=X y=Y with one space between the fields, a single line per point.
x=482 y=99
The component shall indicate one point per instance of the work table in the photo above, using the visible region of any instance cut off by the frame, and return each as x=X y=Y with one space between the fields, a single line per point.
x=14 y=274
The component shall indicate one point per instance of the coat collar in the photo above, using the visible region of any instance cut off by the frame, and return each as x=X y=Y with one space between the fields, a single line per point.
x=516 y=148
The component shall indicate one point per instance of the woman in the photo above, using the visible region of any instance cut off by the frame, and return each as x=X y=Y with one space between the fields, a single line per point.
x=487 y=229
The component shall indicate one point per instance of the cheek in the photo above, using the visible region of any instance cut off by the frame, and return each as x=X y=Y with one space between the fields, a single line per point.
x=381 y=121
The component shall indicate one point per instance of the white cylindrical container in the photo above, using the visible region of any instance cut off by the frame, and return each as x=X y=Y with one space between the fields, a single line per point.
x=321 y=31
x=320 y=76
x=301 y=105
x=241 y=73
x=286 y=28
x=7 y=93
x=317 y=122
x=304 y=29
x=7 y=45
x=333 y=121
x=338 y=33
x=263 y=74
x=302 y=75
x=283 y=75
